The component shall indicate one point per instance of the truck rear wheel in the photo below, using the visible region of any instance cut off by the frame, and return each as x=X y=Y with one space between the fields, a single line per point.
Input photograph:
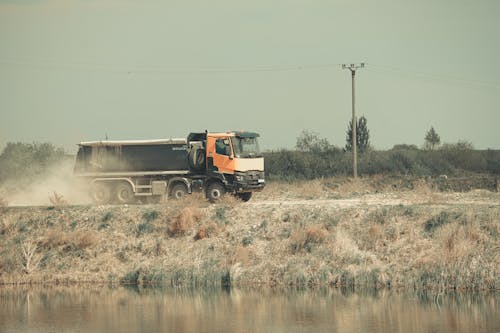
x=100 y=193
x=245 y=196
x=124 y=193
x=215 y=191
x=179 y=191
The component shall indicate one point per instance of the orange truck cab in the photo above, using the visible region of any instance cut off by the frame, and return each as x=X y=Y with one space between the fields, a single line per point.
x=234 y=163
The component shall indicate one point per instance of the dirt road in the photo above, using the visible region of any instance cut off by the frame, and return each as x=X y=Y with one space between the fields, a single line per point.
x=474 y=198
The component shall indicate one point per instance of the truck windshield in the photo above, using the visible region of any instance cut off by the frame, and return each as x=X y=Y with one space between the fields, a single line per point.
x=246 y=147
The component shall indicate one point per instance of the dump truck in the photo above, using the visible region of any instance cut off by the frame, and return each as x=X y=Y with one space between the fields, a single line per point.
x=148 y=171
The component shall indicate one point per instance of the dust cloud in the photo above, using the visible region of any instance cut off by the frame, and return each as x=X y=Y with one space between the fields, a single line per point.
x=58 y=180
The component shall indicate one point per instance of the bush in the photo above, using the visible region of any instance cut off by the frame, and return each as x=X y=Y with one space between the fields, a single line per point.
x=150 y=215
x=27 y=161
x=183 y=221
x=304 y=240
x=438 y=221
x=451 y=159
x=206 y=231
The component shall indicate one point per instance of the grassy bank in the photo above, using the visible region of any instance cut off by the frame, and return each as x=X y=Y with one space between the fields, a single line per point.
x=291 y=235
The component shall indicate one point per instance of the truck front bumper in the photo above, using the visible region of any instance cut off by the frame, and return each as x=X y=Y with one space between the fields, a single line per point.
x=249 y=181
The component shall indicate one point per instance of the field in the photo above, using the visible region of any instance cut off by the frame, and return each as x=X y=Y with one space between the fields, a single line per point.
x=331 y=232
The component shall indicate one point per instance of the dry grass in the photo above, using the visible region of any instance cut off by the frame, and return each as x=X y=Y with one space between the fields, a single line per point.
x=229 y=200
x=207 y=230
x=183 y=221
x=73 y=240
x=7 y=225
x=257 y=244
x=305 y=239
x=242 y=256
x=193 y=200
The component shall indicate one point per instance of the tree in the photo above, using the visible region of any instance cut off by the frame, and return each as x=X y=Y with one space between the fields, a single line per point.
x=25 y=160
x=362 y=136
x=432 y=139
x=311 y=142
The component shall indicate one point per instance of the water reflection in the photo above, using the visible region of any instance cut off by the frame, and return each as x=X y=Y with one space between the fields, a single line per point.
x=96 y=309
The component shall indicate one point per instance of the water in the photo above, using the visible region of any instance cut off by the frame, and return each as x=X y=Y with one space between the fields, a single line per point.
x=93 y=309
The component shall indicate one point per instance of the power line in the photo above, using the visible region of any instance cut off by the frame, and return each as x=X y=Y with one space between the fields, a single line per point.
x=433 y=76
x=163 y=69
x=171 y=70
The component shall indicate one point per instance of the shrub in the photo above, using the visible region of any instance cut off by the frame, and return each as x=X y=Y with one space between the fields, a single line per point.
x=181 y=223
x=24 y=162
x=439 y=220
x=57 y=200
x=247 y=240
x=108 y=216
x=206 y=231
x=131 y=277
x=150 y=215
x=304 y=240
x=451 y=159
x=143 y=228
x=75 y=240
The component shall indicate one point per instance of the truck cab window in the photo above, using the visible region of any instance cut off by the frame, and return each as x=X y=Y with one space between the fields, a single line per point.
x=222 y=147
x=246 y=147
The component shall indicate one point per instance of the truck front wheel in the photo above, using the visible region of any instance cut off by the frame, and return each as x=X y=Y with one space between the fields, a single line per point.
x=215 y=191
x=100 y=193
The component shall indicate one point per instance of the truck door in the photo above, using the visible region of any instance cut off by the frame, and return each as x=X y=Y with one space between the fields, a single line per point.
x=223 y=157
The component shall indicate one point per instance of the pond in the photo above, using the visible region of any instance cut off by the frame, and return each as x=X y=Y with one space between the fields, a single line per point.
x=121 y=309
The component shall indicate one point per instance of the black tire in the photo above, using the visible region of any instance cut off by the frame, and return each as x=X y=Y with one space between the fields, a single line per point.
x=245 y=196
x=215 y=191
x=197 y=158
x=100 y=193
x=178 y=191
x=124 y=193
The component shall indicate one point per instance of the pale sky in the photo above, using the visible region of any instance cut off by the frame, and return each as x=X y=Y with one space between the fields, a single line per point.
x=76 y=70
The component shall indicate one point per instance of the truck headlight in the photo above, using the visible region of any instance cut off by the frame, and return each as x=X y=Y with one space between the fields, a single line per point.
x=240 y=178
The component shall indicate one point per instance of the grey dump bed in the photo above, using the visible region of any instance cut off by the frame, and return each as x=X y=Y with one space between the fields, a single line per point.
x=132 y=156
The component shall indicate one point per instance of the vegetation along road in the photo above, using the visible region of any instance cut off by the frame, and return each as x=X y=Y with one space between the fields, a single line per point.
x=311 y=233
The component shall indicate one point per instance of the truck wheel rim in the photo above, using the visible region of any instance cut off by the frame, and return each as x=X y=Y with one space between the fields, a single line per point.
x=124 y=195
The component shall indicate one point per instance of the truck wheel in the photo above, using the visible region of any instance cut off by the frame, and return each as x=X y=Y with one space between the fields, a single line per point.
x=215 y=191
x=124 y=193
x=100 y=193
x=245 y=196
x=178 y=192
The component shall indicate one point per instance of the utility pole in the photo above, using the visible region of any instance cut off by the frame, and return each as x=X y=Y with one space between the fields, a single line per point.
x=353 y=68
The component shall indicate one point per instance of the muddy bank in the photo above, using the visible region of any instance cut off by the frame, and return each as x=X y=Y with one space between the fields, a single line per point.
x=412 y=239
